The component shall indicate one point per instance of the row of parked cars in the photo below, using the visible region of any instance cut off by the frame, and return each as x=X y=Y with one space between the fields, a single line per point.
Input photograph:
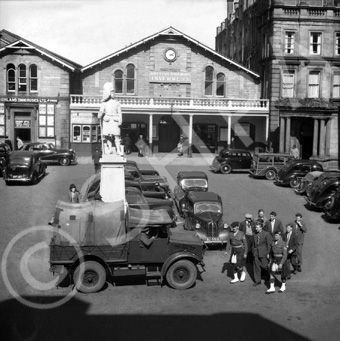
x=29 y=164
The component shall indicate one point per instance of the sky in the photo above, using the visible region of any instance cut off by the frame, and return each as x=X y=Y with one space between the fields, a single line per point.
x=87 y=30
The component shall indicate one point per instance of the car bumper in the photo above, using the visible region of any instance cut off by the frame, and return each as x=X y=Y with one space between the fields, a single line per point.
x=18 y=179
x=215 y=168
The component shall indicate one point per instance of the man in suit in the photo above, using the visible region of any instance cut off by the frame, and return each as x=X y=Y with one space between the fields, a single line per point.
x=261 y=248
x=248 y=228
x=300 y=229
x=273 y=225
x=291 y=240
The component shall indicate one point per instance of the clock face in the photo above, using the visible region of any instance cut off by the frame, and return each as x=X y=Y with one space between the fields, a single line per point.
x=170 y=54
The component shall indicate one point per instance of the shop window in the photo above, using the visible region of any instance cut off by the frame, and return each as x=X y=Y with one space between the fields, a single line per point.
x=118 y=81
x=220 y=84
x=288 y=80
x=22 y=78
x=336 y=85
x=76 y=133
x=130 y=79
x=289 y=42
x=46 y=120
x=94 y=134
x=10 y=78
x=209 y=81
x=315 y=43
x=337 y=43
x=33 y=78
x=86 y=133
x=2 y=120
x=314 y=84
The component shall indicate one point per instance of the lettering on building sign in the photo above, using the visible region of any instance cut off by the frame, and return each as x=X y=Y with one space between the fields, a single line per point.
x=22 y=123
x=169 y=77
x=28 y=100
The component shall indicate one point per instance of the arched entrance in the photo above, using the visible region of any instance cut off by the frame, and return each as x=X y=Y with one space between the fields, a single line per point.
x=306 y=138
x=169 y=133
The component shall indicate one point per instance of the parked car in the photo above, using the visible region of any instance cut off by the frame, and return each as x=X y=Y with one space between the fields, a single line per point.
x=104 y=243
x=289 y=174
x=4 y=155
x=332 y=206
x=48 y=153
x=24 y=166
x=204 y=215
x=231 y=159
x=306 y=181
x=321 y=190
x=188 y=181
x=267 y=165
x=148 y=179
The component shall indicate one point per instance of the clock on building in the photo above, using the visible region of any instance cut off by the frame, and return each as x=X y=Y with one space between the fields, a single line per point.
x=170 y=54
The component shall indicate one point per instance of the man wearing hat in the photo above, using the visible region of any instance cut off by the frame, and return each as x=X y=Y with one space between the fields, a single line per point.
x=96 y=156
x=248 y=228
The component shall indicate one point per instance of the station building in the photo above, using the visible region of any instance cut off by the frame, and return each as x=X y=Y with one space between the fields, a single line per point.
x=168 y=84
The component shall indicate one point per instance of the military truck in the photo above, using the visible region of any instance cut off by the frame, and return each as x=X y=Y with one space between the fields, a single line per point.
x=93 y=241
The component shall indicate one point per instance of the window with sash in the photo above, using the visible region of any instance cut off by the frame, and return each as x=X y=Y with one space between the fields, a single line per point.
x=314 y=84
x=220 y=84
x=288 y=81
x=33 y=78
x=337 y=43
x=209 y=81
x=125 y=83
x=336 y=85
x=315 y=43
x=289 y=42
x=22 y=79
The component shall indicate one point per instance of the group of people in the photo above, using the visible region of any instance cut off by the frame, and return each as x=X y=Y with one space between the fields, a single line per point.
x=273 y=250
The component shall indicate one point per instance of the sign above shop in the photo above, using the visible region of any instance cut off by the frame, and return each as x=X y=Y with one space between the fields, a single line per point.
x=84 y=118
x=169 y=77
x=28 y=100
x=22 y=123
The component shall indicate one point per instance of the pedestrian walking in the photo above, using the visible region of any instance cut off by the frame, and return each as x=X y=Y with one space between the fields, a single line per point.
x=273 y=224
x=96 y=156
x=20 y=144
x=291 y=240
x=141 y=145
x=295 y=152
x=74 y=195
x=261 y=249
x=180 y=145
x=237 y=249
x=248 y=228
x=127 y=144
x=300 y=229
x=278 y=255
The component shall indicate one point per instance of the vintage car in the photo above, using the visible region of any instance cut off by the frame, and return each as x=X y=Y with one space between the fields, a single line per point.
x=306 y=181
x=148 y=179
x=204 y=215
x=48 y=153
x=267 y=165
x=4 y=155
x=24 y=166
x=231 y=159
x=188 y=181
x=94 y=241
x=332 y=206
x=321 y=190
x=289 y=174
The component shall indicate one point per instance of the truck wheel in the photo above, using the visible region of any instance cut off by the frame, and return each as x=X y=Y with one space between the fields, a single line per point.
x=270 y=174
x=226 y=169
x=293 y=183
x=64 y=161
x=182 y=274
x=89 y=277
x=34 y=179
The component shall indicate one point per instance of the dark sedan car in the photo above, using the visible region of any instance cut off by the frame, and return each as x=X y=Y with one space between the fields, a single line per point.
x=48 y=153
x=24 y=166
x=332 y=206
x=231 y=159
x=204 y=215
x=321 y=190
x=188 y=181
x=289 y=174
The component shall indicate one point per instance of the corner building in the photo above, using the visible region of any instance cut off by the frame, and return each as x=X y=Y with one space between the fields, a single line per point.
x=169 y=84
x=35 y=92
x=295 y=47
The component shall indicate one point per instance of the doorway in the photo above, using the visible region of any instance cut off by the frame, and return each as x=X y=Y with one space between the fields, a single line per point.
x=204 y=139
x=169 y=134
x=23 y=126
x=306 y=138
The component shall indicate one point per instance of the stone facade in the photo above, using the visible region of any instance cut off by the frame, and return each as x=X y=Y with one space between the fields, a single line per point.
x=294 y=46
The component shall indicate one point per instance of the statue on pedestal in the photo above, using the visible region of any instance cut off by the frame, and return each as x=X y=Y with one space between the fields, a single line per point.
x=110 y=115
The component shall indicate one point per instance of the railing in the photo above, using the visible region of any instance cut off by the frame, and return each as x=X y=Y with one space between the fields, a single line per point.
x=78 y=101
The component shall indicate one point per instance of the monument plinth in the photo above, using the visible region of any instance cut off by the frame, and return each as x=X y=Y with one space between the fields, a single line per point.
x=112 y=181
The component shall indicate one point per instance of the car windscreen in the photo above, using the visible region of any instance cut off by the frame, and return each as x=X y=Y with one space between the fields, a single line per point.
x=25 y=161
x=207 y=206
x=189 y=183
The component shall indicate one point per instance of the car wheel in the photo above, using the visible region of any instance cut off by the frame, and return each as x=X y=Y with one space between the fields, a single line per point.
x=89 y=277
x=226 y=169
x=270 y=174
x=329 y=204
x=182 y=274
x=34 y=179
x=293 y=183
x=64 y=161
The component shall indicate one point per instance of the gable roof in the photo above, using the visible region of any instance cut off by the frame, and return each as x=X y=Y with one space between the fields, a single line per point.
x=11 y=41
x=170 y=31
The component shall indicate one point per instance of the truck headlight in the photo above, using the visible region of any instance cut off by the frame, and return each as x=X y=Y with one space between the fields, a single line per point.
x=197 y=226
x=225 y=225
